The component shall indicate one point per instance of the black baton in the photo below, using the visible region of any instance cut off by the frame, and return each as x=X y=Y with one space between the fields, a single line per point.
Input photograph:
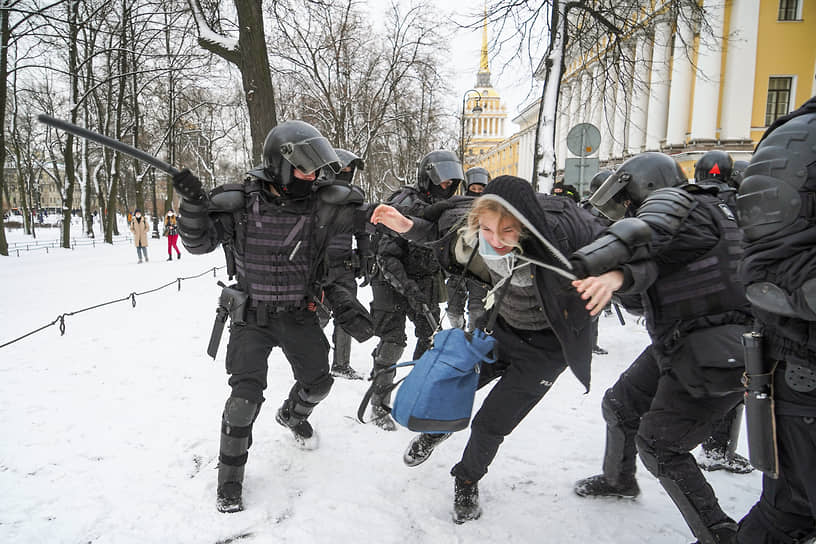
x=108 y=142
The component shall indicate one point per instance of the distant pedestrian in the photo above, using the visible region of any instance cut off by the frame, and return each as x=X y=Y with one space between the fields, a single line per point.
x=171 y=231
x=140 y=230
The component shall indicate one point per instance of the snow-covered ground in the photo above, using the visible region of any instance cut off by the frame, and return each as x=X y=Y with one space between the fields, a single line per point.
x=110 y=432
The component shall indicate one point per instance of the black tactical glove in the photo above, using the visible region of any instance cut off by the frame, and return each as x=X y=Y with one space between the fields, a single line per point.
x=434 y=211
x=354 y=318
x=367 y=269
x=189 y=186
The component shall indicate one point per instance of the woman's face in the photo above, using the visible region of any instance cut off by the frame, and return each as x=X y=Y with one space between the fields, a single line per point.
x=501 y=234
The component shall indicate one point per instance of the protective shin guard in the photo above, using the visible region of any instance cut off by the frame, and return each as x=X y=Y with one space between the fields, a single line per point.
x=236 y=431
x=620 y=454
x=385 y=355
x=690 y=513
x=302 y=401
x=342 y=348
x=697 y=503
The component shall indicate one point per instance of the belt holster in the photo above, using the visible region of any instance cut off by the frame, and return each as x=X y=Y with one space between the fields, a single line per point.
x=759 y=406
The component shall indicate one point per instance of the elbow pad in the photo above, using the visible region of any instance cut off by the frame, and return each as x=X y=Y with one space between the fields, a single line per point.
x=772 y=298
x=624 y=240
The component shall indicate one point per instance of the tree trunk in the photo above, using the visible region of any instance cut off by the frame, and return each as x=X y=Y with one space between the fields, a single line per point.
x=5 y=38
x=255 y=74
x=70 y=172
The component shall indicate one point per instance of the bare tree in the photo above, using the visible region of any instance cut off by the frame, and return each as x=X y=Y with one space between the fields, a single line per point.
x=356 y=85
x=249 y=54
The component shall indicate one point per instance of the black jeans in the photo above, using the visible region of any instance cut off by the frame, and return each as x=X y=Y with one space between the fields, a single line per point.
x=527 y=365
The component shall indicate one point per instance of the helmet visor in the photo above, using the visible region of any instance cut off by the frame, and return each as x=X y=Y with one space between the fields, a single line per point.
x=477 y=177
x=444 y=170
x=610 y=197
x=310 y=155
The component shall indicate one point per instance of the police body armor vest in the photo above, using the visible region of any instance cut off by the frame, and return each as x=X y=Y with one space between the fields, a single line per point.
x=708 y=285
x=274 y=264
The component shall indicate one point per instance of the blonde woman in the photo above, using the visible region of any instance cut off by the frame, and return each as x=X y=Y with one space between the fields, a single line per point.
x=543 y=325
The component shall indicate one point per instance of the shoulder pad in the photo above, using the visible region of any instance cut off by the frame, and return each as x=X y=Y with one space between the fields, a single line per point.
x=339 y=194
x=230 y=197
x=667 y=208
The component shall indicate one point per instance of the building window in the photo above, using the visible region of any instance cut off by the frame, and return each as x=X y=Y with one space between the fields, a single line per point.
x=779 y=94
x=788 y=10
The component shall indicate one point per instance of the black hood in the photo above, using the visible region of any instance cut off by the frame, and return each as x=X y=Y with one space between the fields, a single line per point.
x=517 y=195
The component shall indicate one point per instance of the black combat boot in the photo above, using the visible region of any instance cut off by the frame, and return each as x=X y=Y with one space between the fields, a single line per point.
x=302 y=431
x=421 y=447
x=465 y=501
x=599 y=486
x=229 y=498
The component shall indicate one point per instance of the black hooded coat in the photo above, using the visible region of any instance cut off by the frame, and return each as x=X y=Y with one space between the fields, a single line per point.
x=553 y=224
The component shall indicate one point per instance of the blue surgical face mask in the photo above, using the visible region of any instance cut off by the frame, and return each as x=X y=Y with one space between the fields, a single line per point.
x=486 y=250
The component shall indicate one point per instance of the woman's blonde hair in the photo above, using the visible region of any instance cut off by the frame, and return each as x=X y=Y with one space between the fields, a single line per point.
x=482 y=205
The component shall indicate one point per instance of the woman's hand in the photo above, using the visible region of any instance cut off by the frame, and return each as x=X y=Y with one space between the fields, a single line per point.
x=391 y=218
x=598 y=289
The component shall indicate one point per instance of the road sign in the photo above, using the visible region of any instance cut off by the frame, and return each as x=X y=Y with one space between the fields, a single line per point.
x=579 y=172
x=583 y=139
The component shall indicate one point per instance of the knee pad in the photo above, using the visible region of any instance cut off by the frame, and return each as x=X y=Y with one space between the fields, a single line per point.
x=387 y=354
x=314 y=394
x=240 y=412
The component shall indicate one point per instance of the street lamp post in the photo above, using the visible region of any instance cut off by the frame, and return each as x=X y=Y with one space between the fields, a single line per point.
x=477 y=109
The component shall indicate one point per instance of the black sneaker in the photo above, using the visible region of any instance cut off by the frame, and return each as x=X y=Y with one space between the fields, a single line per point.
x=229 y=498
x=382 y=419
x=302 y=431
x=599 y=486
x=346 y=372
x=712 y=460
x=465 y=501
x=598 y=350
x=421 y=447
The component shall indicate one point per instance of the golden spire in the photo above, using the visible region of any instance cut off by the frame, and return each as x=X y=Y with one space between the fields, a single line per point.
x=483 y=64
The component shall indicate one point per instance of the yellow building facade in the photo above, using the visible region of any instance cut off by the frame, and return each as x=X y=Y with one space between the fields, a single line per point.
x=757 y=63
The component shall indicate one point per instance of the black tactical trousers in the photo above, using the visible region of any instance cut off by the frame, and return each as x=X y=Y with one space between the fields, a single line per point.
x=786 y=511
x=675 y=424
x=296 y=332
x=528 y=363
x=389 y=310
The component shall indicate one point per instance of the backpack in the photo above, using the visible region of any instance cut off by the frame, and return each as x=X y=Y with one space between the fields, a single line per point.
x=437 y=395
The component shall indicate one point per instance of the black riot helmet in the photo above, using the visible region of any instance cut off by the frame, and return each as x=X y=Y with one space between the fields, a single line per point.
x=476 y=176
x=349 y=164
x=627 y=187
x=294 y=144
x=714 y=165
x=737 y=173
x=435 y=168
x=597 y=180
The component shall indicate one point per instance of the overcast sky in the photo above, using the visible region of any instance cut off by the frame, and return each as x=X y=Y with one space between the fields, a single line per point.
x=510 y=75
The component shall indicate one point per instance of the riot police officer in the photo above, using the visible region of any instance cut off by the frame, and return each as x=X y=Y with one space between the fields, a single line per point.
x=777 y=213
x=274 y=229
x=408 y=280
x=680 y=248
x=344 y=264
x=467 y=290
